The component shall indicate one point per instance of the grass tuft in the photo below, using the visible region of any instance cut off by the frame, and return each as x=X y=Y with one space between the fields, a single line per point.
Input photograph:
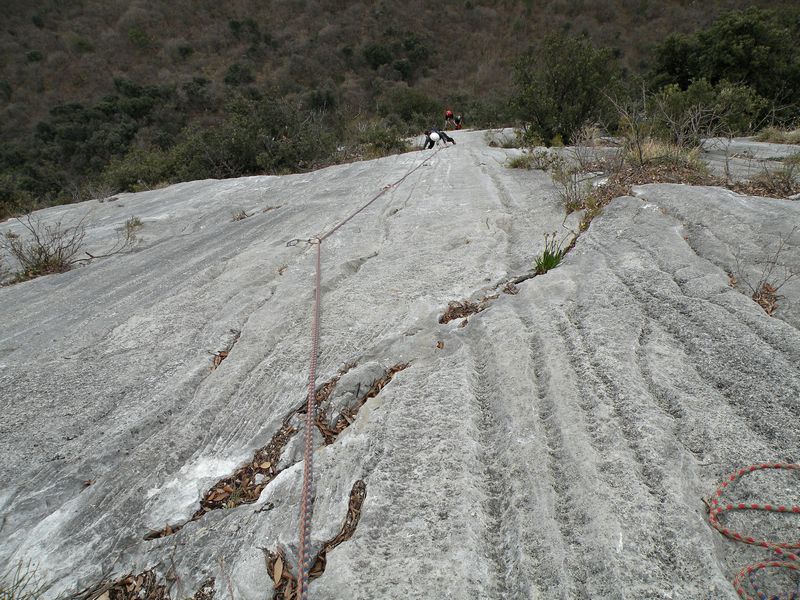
x=779 y=136
x=550 y=256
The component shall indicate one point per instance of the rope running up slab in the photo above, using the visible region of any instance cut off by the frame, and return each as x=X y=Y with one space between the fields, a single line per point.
x=788 y=560
x=306 y=500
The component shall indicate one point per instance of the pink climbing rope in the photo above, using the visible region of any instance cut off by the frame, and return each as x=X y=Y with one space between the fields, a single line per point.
x=720 y=506
x=306 y=500
x=307 y=496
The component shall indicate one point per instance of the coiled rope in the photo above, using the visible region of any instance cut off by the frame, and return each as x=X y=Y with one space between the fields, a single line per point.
x=306 y=500
x=787 y=559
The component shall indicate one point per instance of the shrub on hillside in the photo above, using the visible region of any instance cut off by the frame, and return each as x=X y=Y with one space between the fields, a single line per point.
x=779 y=136
x=563 y=84
x=413 y=107
x=238 y=74
x=78 y=142
x=267 y=135
x=377 y=55
x=140 y=169
x=757 y=48
x=382 y=140
x=683 y=117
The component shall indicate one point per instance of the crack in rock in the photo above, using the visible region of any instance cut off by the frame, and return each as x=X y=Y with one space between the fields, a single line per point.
x=144 y=586
x=221 y=355
x=330 y=429
x=245 y=485
x=465 y=308
x=284 y=580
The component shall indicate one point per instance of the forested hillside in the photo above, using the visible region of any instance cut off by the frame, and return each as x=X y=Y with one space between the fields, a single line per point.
x=120 y=94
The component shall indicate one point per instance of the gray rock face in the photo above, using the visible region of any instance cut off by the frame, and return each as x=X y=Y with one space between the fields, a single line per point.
x=739 y=159
x=559 y=444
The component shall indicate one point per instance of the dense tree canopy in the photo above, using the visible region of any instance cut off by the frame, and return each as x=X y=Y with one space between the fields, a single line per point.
x=758 y=48
x=562 y=84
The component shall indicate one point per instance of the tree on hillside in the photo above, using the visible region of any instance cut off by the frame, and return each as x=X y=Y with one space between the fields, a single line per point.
x=676 y=61
x=755 y=47
x=561 y=85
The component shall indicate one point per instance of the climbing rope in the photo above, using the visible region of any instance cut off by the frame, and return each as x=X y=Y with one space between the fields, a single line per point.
x=307 y=496
x=788 y=560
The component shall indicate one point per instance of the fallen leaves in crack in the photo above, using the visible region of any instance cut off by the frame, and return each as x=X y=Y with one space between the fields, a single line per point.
x=284 y=581
x=767 y=298
x=221 y=355
x=348 y=415
x=144 y=586
x=245 y=485
x=465 y=308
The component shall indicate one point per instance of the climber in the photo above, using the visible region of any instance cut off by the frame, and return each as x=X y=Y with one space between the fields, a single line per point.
x=459 y=121
x=448 y=119
x=433 y=135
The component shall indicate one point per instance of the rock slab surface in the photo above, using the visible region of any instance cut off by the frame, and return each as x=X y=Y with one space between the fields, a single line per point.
x=558 y=444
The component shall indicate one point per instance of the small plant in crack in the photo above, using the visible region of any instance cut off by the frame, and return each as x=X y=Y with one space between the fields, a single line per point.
x=550 y=256
x=236 y=498
x=239 y=215
x=132 y=225
x=772 y=278
x=574 y=187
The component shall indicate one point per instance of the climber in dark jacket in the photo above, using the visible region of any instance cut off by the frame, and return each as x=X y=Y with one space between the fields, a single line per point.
x=433 y=135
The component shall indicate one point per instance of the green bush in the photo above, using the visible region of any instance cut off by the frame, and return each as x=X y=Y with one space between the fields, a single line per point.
x=247 y=29
x=81 y=45
x=377 y=55
x=238 y=74
x=757 y=48
x=322 y=99
x=265 y=135
x=537 y=159
x=185 y=52
x=139 y=38
x=676 y=61
x=5 y=90
x=414 y=108
x=34 y=56
x=779 y=136
x=139 y=169
x=562 y=84
x=403 y=66
x=683 y=117
x=198 y=93
x=77 y=143
x=382 y=140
